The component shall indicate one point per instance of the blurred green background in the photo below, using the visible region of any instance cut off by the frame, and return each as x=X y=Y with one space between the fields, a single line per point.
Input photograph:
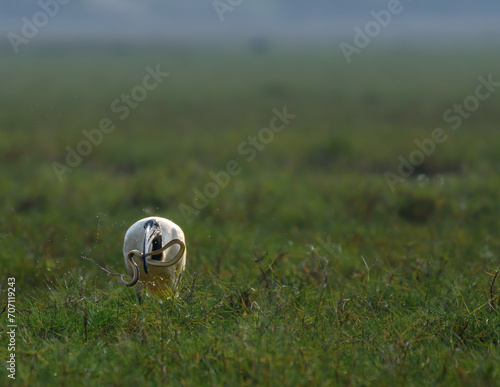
x=323 y=176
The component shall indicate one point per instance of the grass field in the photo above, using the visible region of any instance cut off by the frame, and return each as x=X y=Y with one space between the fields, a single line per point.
x=306 y=269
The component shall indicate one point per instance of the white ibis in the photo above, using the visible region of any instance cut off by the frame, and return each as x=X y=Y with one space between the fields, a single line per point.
x=154 y=250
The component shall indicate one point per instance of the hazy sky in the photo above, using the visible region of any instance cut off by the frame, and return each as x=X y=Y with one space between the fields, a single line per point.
x=328 y=19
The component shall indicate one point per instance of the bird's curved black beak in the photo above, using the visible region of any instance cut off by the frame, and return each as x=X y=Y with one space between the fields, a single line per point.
x=144 y=259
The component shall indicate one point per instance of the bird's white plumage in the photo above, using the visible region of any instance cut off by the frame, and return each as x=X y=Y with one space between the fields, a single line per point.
x=160 y=280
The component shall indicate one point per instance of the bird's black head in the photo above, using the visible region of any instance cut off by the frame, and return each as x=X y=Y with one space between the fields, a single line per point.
x=152 y=241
